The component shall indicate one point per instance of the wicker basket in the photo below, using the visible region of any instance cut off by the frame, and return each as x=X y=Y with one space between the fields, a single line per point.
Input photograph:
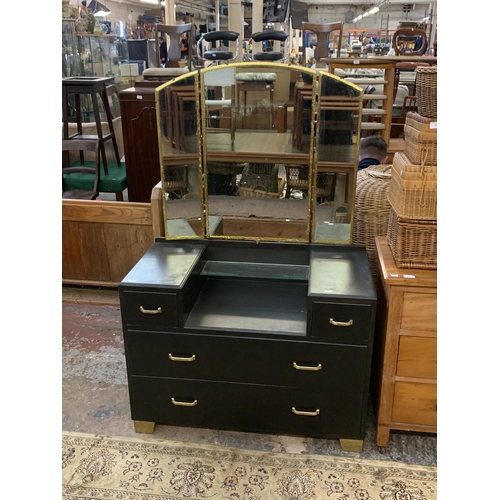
x=413 y=171
x=413 y=198
x=420 y=146
x=421 y=123
x=262 y=175
x=413 y=243
x=261 y=191
x=426 y=91
x=371 y=212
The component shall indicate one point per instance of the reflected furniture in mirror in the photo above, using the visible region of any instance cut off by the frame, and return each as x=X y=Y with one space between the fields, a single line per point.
x=327 y=34
x=270 y=37
x=253 y=311
x=214 y=46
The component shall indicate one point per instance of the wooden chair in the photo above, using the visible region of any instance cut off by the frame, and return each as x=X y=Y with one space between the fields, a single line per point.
x=270 y=36
x=77 y=180
x=401 y=41
x=323 y=31
x=175 y=34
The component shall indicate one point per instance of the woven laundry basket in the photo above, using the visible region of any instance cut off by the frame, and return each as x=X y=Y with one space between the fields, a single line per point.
x=426 y=91
x=413 y=243
x=420 y=146
x=371 y=211
x=413 y=189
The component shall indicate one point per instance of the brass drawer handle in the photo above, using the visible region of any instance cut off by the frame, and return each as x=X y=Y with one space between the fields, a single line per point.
x=305 y=413
x=150 y=311
x=181 y=403
x=341 y=323
x=307 y=368
x=177 y=358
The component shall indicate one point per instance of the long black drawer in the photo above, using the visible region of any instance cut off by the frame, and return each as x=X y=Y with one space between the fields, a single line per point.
x=249 y=360
x=255 y=408
x=341 y=322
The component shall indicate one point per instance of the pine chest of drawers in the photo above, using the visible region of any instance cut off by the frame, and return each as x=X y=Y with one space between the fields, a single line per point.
x=267 y=337
x=406 y=348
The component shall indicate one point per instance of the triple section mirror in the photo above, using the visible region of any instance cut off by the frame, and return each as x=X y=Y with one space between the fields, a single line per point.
x=260 y=151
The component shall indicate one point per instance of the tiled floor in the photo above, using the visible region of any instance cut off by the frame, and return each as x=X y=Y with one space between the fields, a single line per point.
x=95 y=394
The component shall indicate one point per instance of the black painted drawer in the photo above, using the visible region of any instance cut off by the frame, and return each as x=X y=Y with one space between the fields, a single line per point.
x=149 y=309
x=341 y=322
x=254 y=408
x=248 y=360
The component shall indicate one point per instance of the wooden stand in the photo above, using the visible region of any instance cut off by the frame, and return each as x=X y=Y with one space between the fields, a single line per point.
x=406 y=345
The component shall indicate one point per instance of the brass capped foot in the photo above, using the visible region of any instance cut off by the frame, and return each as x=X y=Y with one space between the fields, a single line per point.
x=351 y=445
x=144 y=427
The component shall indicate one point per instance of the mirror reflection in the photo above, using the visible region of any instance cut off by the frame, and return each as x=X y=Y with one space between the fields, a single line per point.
x=177 y=115
x=338 y=134
x=262 y=151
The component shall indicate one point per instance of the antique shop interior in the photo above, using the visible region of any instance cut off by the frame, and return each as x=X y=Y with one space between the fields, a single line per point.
x=219 y=241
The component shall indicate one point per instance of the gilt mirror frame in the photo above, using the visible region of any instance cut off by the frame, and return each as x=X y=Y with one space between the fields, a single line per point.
x=189 y=211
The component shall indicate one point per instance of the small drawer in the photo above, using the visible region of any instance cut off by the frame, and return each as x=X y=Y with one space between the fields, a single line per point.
x=149 y=309
x=417 y=357
x=419 y=312
x=343 y=323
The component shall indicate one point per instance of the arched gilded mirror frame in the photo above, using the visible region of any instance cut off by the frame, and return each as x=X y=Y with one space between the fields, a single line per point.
x=180 y=157
x=314 y=125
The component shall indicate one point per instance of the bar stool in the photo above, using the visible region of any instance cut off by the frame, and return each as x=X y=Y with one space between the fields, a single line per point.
x=93 y=86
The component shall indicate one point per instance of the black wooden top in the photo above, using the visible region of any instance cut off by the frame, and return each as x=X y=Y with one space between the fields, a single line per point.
x=340 y=270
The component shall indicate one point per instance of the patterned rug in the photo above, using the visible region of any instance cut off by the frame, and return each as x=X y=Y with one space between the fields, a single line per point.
x=96 y=467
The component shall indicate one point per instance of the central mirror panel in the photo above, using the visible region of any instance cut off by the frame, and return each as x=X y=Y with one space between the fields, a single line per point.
x=259 y=151
x=249 y=151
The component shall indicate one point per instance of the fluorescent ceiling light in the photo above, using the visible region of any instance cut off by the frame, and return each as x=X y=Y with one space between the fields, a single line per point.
x=374 y=10
x=153 y=2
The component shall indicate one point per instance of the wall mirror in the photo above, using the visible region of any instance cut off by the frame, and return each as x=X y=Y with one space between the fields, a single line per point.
x=259 y=151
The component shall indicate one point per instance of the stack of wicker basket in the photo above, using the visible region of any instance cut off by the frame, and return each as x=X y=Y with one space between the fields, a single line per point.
x=412 y=228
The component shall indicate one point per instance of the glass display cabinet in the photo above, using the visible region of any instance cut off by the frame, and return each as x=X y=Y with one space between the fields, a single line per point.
x=102 y=55
x=70 y=62
x=259 y=151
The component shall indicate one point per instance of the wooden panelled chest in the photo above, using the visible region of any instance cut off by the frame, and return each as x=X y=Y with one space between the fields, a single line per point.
x=405 y=359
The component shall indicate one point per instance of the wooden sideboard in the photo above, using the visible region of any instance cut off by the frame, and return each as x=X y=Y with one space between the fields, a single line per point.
x=405 y=349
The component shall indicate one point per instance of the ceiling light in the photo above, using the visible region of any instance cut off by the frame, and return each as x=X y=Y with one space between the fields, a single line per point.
x=374 y=10
x=153 y=2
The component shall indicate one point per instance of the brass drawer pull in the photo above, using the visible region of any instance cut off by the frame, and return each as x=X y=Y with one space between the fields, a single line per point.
x=341 y=323
x=305 y=413
x=181 y=403
x=307 y=368
x=150 y=311
x=177 y=358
